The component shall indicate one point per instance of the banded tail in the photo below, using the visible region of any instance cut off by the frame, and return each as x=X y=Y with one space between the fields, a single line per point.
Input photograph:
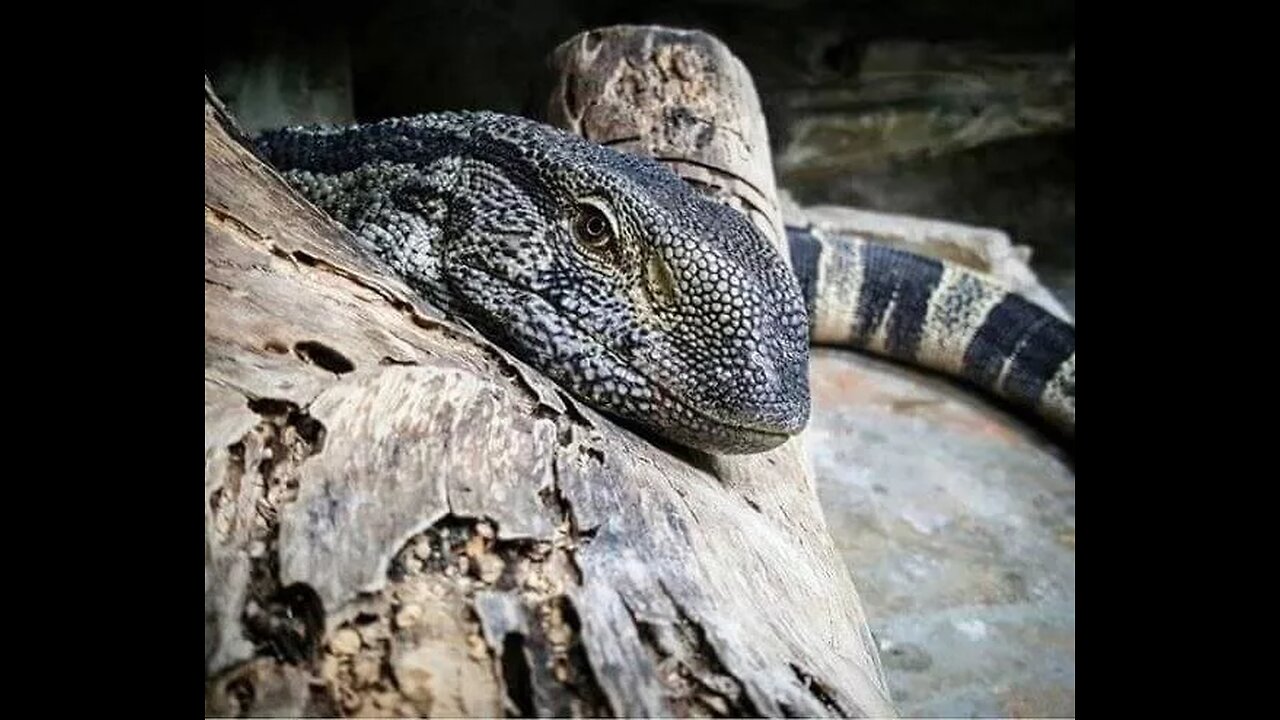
x=939 y=316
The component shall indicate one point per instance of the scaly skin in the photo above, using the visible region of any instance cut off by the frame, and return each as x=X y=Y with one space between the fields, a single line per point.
x=642 y=296
x=940 y=316
x=605 y=271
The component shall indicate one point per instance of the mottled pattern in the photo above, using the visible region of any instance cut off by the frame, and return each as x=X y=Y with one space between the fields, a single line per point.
x=605 y=271
x=832 y=283
x=645 y=298
x=896 y=290
x=1018 y=349
x=1059 y=399
x=806 y=253
x=939 y=316
x=959 y=308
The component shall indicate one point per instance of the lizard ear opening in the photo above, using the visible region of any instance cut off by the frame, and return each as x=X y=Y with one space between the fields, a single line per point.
x=662 y=287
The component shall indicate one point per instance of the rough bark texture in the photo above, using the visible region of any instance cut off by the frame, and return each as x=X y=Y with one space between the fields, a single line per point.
x=401 y=519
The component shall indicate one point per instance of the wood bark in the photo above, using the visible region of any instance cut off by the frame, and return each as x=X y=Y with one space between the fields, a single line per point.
x=402 y=519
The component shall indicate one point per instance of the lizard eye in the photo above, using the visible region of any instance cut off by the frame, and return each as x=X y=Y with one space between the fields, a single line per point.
x=592 y=226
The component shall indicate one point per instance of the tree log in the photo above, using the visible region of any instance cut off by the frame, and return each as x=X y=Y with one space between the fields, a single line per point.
x=402 y=519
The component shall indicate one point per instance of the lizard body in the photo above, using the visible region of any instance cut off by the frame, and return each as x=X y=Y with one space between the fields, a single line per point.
x=644 y=297
x=937 y=315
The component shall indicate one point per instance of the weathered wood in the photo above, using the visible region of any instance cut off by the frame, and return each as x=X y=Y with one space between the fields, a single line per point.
x=401 y=519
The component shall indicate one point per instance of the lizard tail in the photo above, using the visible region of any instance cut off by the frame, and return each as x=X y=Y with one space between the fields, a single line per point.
x=939 y=316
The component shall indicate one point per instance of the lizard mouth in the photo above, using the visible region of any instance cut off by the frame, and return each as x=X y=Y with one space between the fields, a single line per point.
x=686 y=423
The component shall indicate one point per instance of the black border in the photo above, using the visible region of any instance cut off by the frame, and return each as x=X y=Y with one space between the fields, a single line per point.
x=108 y=140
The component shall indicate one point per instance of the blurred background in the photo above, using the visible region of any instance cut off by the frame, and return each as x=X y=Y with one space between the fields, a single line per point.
x=959 y=532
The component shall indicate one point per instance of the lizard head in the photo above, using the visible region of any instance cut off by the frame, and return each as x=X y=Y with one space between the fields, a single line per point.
x=629 y=287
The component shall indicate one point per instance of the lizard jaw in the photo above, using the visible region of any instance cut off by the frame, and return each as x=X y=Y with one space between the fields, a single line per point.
x=668 y=415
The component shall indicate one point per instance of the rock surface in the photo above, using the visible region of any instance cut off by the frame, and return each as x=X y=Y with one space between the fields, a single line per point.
x=958 y=525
